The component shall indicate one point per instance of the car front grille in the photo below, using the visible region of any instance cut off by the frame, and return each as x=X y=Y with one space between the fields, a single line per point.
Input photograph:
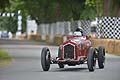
x=69 y=51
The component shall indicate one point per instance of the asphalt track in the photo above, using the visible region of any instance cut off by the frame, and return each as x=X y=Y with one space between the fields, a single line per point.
x=26 y=65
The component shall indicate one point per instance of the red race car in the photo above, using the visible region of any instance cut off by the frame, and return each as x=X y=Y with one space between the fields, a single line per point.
x=75 y=51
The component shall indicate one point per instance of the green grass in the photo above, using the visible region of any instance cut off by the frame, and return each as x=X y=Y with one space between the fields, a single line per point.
x=4 y=55
x=5 y=59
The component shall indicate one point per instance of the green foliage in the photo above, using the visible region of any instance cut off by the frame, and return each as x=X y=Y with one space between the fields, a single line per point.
x=92 y=14
x=54 y=10
x=16 y=5
x=99 y=8
x=42 y=10
x=91 y=3
x=8 y=23
x=3 y=4
x=96 y=5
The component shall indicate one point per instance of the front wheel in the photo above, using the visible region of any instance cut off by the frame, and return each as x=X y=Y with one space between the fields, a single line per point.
x=45 y=59
x=91 y=61
x=101 y=57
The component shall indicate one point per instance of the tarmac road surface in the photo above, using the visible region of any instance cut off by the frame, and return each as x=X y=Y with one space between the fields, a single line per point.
x=26 y=66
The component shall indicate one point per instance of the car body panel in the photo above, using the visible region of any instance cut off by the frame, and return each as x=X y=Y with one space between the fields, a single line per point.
x=81 y=45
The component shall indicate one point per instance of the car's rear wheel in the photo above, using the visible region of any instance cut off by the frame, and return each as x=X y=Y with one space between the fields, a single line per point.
x=91 y=61
x=59 y=55
x=101 y=57
x=45 y=59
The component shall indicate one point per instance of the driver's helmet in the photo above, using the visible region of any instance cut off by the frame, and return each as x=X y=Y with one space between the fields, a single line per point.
x=79 y=31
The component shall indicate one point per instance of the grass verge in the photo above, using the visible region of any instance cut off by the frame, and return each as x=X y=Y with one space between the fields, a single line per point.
x=5 y=59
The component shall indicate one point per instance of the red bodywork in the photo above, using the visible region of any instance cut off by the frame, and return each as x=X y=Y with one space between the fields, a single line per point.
x=78 y=46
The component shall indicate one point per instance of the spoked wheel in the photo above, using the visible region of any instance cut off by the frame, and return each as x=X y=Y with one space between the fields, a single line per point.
x=45 y=59
x=91 y=61
x=59 y=55
x=101 y=57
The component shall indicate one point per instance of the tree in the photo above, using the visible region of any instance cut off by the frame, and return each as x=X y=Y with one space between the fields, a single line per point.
x=16 y=5
x=8 y=23
x=3 y=4
x=72 y=9
x=111 y=8
x=54 y=10
x=114 y=8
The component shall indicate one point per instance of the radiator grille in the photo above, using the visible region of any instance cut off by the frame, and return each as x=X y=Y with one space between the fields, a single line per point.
x=69 y=51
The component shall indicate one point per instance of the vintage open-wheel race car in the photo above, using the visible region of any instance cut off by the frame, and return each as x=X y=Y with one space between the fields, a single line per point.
x=75 y=51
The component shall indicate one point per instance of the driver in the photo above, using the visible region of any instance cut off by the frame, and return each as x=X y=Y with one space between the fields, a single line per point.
x=79 y=31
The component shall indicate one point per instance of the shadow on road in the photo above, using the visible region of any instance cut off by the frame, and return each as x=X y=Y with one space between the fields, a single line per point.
x=71 y=69
x=67 y=70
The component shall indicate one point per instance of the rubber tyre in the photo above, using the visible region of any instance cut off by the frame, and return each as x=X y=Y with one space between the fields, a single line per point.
x=59 y=55
x=101 y=57
x=91 y=61
x=45 y=59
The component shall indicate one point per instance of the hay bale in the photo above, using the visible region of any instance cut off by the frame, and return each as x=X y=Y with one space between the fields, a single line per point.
x=117 y=47
x=34 y=37
x=21 y=37
x=101 y=42
x=111 y=46
x=37 y=37
x=47 y=39
x=58 y=39
x=30 y=37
